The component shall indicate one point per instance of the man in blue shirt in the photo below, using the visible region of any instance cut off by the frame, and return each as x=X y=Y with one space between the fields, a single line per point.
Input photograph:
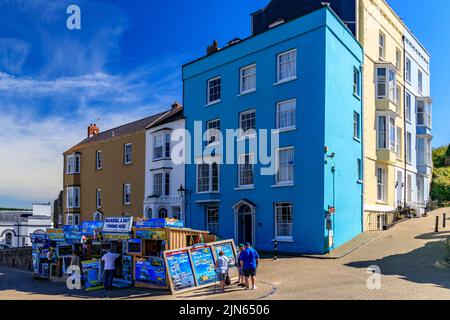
x=249 y=262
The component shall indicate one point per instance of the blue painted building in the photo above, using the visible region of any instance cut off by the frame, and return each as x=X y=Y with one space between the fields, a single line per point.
x=301 y=78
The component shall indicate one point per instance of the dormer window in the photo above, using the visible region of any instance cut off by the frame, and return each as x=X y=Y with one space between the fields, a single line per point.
x=73 y=163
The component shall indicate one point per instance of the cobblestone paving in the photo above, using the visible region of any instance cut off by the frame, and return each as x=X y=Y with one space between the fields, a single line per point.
x=411 y=257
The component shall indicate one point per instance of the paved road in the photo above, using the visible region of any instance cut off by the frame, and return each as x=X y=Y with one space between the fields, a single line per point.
x=411 y=258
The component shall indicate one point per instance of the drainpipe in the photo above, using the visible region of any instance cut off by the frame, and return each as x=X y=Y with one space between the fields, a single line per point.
x=404 y=121
x=363 y=160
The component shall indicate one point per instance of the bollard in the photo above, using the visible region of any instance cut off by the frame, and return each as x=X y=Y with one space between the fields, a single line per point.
x=275 y=250
x=443 y=220
x=436 y=229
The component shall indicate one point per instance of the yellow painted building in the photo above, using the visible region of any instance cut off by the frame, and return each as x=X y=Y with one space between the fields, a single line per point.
x=380 y=31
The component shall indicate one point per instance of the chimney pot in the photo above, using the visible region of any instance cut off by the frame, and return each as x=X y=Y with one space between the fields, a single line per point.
x=93 y=130
x=176 y=105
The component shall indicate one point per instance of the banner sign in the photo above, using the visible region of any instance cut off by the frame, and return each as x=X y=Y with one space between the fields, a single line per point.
x=55 y=235
x=127 y=269
x=116 y=236
x=180 y=270
x=72 y=234
x=159 y=223
x=118 y=225
x=150 y=234
x=92 y=275
x=39 y=238
x=204 y=264
x=151 y=270
x=91 y=228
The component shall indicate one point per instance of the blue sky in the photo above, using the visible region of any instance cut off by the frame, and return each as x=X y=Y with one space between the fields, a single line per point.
x=124 y=64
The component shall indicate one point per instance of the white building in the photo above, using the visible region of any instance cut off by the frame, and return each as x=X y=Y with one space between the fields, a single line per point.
x=417 y=84
x=163 y=178
x=16 y=227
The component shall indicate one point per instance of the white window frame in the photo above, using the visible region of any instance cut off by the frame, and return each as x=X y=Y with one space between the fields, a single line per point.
x=290 y=206
x=251 y=132
x=409 y=188
x=210 y=178
x=420 y=81
x=408 y=105
x=279 y=182
x=127 y=154
x=390 y=133
x=359 y=170
x=242 y=77
x=356 y=82
x=74 y=193
x=408 y=70
x=161 y=141
x=213 y=132
x=398 y=143
x=242 y=162
x=98 y=159
x=381 y=184
x=127 y=194
x=215 y=224
x=356 y=126
x=71 y=164
x=390 y=84
x=208 y=98
x=290 y=77
x=72 y=219
x=408 y=142
x=398 y=59
x=98 y=197
x=381 y=46
x=292 y=112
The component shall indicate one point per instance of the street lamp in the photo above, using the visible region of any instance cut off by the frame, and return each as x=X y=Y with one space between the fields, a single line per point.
x=181 y=191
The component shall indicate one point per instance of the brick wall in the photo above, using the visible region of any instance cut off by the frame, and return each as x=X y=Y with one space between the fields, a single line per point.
x=17 y=257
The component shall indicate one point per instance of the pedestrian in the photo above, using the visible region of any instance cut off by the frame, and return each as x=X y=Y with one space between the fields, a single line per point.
x=222 y=265
x=75 y=259
x=249 y=262
x=240 y=281
x=109 y=258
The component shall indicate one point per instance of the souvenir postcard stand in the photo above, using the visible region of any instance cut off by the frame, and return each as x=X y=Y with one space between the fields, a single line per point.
x=147 y=249
x=191 y=268
x=40 y=263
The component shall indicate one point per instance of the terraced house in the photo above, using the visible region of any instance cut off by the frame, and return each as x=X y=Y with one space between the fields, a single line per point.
x=104 y=175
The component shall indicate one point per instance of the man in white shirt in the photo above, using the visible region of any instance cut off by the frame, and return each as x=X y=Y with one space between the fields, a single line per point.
x=109 y=258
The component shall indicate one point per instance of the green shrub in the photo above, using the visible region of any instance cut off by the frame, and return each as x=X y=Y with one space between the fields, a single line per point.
x=440 y=187
x=439 y=155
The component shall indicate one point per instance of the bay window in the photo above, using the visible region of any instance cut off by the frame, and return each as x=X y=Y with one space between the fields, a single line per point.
x=73 y=197
x=161 y=146
x=73 y=163
x=386 y=84
x=423 y=113
x=386 y=133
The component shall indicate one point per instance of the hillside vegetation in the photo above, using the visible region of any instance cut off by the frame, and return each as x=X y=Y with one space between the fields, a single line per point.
x=440 y=187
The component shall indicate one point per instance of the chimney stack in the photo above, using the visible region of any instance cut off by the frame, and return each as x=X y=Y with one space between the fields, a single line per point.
x=176 y=105
x=93 y=130
x=212 y=48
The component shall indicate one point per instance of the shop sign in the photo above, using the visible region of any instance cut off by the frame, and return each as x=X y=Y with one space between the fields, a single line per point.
x=55 y=235
x=72 y=234
x=91 y=228
x=118 y=225
x=150 y=234
x=159 y=223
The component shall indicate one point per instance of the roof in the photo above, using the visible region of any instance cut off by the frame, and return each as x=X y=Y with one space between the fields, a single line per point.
x=14 y=216
x=126 y=129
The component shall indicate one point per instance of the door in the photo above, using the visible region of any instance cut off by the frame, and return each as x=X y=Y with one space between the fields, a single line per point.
x=399 y=189
x=245 y=224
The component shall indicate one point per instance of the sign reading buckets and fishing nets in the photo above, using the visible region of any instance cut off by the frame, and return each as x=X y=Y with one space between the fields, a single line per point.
x=194 y=267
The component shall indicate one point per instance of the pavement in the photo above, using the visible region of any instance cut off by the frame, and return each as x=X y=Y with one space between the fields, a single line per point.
x=412 y=259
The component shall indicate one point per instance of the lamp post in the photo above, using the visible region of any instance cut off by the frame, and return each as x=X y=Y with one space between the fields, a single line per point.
x=182 y=194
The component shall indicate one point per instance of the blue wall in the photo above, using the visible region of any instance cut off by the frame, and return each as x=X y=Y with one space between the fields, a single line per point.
x=324 y=113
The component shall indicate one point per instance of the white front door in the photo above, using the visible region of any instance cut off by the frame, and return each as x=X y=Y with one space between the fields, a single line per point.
x=399 y=189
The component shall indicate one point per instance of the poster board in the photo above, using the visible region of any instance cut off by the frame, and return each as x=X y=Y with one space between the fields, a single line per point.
x=134 y=246
x=151 y=272
x=56 y=235
x=92 y=275
x=180 y=270
x=203 y=262
x=228 y=248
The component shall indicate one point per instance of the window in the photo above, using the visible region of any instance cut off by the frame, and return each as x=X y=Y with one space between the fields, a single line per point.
x=98 y=159
x=214 y=90
x=127 y=194
x=356 y=85
x=285 y=162
x=8 y=238
x=98 y=216
x=161 y=146
x=72 y=219
x=408 y=106
x=212 y=219
x=420 y=190
x=381 y=184
x=73 y=197
x=287 y=65
x=167 y=145
x=213 y=131
x=408 y=188
x=386 y=84
x=399 y=143
x=73 y=164
x=286 y=114
x=392 y=132
x=176 y=213
x=408 y=147
x=398 y=60
x=167 y=184
x=248 y=79
x=386 y=133
x=127 y=154
x=98 y=194
x=408 y=70
x=356 y=125
x=398 y=93
x=381 y=45
x=382 y=134
x=359 y=170
x=283 y=220
x=247 y=121
x=429 y=152
x=420 y=81
x=207 y=177
x=157 y=184
x=245 y=170
x=423 y=113
x=162 y=213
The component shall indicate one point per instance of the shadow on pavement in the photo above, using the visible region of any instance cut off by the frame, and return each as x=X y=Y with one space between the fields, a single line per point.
x=418 y=266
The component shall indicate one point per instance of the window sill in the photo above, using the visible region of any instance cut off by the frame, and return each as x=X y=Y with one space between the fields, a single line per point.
x=381 y=202
x=128 y=164
x=357 y=96
x=209 y=192
x=357 y=139
x=287 y=129
x=242 y=188
x=359 y=182
x=248 y=136
x=286 y=240
x=285 y=80
x=281 y=185
x=161 y=159
x=213 y=103
x=246 y=92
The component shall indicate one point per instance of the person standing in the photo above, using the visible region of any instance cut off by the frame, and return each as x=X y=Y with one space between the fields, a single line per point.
x=240 y=281
x=109 y=258
x=249 y=262
x=222 y=265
